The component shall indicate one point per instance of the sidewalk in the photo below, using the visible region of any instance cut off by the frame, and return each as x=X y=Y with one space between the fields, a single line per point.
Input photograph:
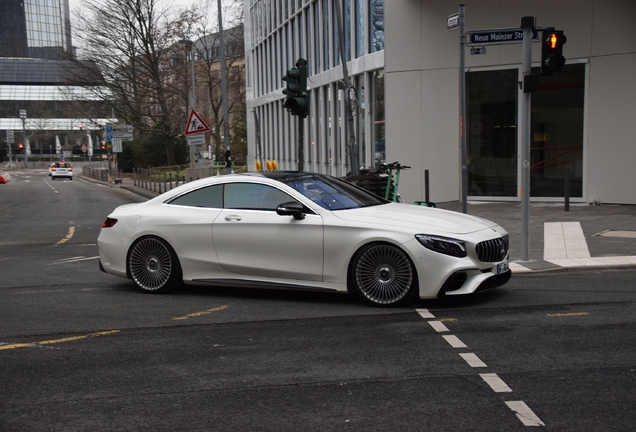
x=587 y=236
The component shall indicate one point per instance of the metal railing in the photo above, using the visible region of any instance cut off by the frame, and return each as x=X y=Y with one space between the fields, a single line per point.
x=158 y=180
x=99 y=171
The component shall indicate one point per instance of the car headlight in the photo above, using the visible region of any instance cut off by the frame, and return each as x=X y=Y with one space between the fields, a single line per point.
x=443 y=245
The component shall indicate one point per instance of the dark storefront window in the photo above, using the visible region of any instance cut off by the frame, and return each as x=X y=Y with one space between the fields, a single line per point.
x=492 y=132
x=556 y=138
x=557 y=133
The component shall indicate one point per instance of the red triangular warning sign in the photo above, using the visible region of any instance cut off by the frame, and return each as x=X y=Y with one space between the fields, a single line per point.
x=195 y=124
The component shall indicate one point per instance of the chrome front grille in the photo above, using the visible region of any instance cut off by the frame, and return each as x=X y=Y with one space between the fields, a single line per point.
x=493 y=250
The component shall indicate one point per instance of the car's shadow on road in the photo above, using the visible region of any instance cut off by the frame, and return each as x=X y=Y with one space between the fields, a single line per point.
x=320 y=297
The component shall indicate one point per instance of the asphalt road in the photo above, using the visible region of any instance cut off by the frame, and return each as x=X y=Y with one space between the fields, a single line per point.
x=82 y=350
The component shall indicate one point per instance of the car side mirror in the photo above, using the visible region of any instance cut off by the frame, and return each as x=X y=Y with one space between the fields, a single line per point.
x=293 y=208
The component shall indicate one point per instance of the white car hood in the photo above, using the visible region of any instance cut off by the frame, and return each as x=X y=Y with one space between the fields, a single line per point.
x=422 y=219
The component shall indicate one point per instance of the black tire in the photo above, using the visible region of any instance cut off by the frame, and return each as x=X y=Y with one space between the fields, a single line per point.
x=70 y=178
x=153 y=265
x=383 y=275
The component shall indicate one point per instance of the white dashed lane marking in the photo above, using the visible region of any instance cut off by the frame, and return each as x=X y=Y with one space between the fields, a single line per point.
x=495 y=383
x=521 y=410
x=454 y=341
x=472 y=360
x=525 y=414
x=438 y=326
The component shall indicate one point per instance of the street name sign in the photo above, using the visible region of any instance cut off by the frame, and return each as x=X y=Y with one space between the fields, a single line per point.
x=452 y=22
x=497 y=37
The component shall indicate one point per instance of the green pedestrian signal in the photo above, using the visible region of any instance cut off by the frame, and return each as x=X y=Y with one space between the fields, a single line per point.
x=552 y=59
x=297 y=99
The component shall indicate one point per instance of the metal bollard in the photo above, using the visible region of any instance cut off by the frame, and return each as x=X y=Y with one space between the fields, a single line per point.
x=427 y=197
x=566 y=193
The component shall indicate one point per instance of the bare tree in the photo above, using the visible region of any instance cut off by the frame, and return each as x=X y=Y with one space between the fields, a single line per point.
x=130 y=43
x=208 y=76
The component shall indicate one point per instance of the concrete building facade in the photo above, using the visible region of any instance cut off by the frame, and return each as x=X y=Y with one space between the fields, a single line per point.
x=581 y=118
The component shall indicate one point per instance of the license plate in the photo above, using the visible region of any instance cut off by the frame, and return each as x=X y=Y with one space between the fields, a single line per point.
x=503 y=267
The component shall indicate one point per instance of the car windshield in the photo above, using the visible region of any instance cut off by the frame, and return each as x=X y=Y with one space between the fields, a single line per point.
x=332 y=193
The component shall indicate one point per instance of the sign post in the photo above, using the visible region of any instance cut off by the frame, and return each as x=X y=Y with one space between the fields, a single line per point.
x=195 y=131
x=10 y=140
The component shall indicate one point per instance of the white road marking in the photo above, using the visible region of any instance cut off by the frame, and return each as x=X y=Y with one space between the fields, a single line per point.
x=438 y=326
x=495 y=383
x=424 y=313
x=454 y=341
x=525 y=414
x=564 y=240
x=72 y=260
x=472 y=360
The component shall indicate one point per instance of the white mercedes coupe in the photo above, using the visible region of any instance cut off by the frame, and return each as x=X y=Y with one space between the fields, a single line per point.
x=305 y=231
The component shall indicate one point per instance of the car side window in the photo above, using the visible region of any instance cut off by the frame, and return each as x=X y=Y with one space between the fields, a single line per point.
x=251 y=196
x=208 y=197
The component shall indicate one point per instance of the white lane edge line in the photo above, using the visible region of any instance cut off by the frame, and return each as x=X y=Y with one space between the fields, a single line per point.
x=472 y=360
x=424 y=313
x=524 y=413
x=495 y=383
x=454 y=341
x=438 y=326
x=72 y=260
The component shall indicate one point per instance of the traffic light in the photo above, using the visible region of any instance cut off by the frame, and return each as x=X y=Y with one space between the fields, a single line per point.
x=21 y=146
x=297 y=99
x=552 y=59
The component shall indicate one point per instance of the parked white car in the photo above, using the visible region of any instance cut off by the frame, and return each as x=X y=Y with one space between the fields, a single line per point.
x=301 y=231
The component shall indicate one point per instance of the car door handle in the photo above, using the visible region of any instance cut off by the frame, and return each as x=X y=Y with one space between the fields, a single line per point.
x=230 y=218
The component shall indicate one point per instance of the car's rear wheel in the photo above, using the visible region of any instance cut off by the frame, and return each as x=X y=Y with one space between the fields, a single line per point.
x=153 y=265
x=383 y=275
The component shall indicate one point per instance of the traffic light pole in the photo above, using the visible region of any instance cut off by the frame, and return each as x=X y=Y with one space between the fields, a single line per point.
x=24 y=137
x=527 y=24
x=301 y=142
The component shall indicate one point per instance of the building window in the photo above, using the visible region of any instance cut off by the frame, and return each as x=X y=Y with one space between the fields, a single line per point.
x=378 y=118
x=556 y=134
x=376 y=16
x=359 y=6
x=492 y=132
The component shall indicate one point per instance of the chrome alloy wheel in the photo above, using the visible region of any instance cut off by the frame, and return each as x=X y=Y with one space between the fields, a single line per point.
x=384 y=275
x=151 y=264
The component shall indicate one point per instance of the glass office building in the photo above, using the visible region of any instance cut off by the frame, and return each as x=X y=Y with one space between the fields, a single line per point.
x=36 y=76
x=277 y=34
x=35 y=29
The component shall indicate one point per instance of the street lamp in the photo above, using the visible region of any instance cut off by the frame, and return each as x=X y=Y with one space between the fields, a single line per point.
x=226 y=119
x=188 y=44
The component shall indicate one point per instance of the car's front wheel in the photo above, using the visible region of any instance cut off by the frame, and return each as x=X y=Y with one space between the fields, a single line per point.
x=153 y=265
x=383 y=275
